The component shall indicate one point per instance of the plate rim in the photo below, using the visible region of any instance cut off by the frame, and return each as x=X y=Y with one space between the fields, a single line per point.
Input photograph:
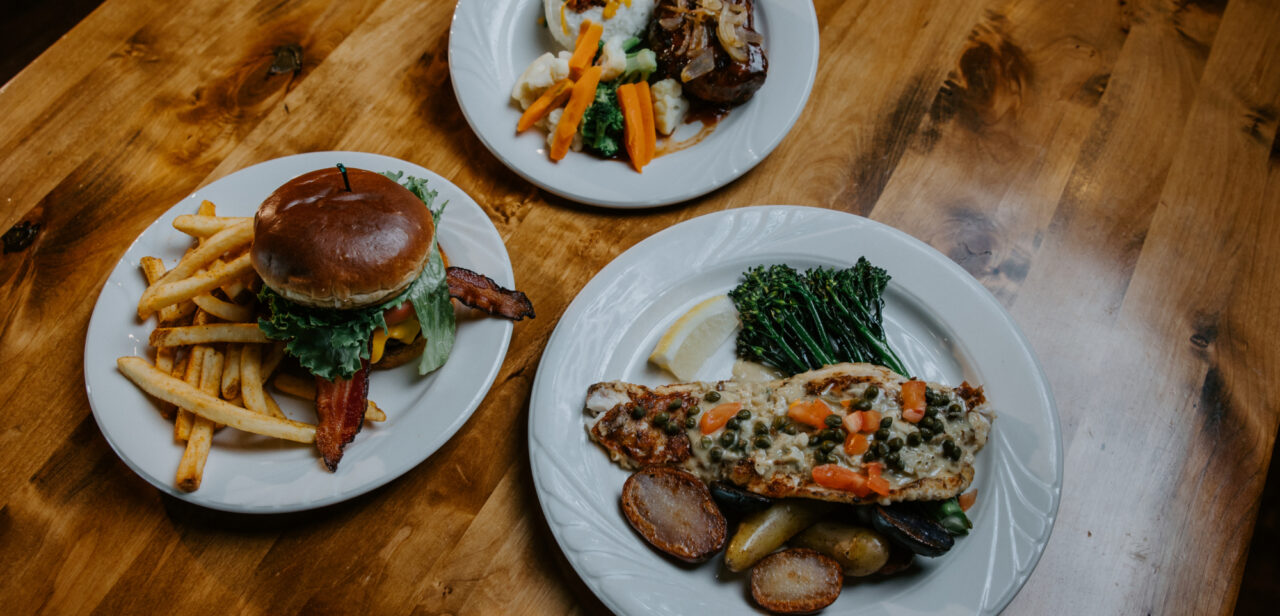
x=745 y=164
x=166 y=487
x=1043 y=387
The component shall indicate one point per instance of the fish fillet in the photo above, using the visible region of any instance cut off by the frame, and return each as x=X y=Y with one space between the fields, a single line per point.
x=621 y=419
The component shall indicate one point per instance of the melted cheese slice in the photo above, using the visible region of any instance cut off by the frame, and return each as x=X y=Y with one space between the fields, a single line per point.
x=404 y=331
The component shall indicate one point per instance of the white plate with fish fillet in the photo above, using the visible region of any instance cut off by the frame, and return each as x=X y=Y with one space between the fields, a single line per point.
x=248 y=473
x=491 y=43
x=943 y=324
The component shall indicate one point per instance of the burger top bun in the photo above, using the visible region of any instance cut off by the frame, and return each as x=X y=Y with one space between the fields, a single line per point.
x=318 y=244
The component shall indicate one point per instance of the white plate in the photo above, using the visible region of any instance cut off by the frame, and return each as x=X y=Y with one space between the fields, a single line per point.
x=492 y=42
x=252 y=474
x=942 y=322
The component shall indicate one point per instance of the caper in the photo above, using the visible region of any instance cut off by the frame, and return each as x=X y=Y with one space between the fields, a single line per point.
x=827 y=446
x=716 y=454
x=760 y=427
x=732 y=424
x=931 y=412
x=728 y=438
x=882 y=449
x=926 y=434
x=862 y=405
x=833 y=434
x=705 y=442
x=819 y=456
x=712 y=396
x=690 y=422
x=637 y=412
x=870 y=455
x=673 y=428
x=887 y=422
x=763 y=442
x=789 y=428
x=895 y=444
x=913 y=439
x=954 y=411
x=661 y=418
x=950 y=449
x=871 y=392
x=779 y=422
x=674 y=404
x=833 y=421
x=694 y=410
x=882 y=434
x=744 y=415
x=893 y=460
x=931 y=397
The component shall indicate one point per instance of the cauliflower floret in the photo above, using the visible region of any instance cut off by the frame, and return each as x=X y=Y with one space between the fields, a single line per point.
x=541 y=73
x=613 y=60
x=669 y=107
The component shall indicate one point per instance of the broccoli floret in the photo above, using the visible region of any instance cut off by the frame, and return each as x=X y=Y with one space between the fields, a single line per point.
x=602 y=124
x=640 y=64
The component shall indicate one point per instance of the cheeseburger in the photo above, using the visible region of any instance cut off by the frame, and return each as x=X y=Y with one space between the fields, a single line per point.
x=353 y=278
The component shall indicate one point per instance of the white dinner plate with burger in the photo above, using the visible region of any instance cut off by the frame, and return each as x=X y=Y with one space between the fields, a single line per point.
x=254 y=474
x=944 y=325
x=492 y=42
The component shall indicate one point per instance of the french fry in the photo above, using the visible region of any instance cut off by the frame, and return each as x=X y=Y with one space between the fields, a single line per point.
x=226 y=311
x=251 y=382
x=165 y=293
x=373 y=413
x=164 y=363
x=272 y=361
x=195 y=366
x=165 y=387
x=231 y=372
x=191 y=467
x=272 y=407
x=305 y=389
x=207 y=208
x=210 y=248
x=205 y=226
x=208 y=334
x=153 y=269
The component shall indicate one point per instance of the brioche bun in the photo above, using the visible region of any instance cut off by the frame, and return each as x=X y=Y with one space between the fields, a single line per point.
x=320 y=245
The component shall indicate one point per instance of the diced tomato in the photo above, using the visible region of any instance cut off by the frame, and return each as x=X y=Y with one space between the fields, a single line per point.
x=879 y=485
x=873 y=469
x=967 y=499
x=853 y=423
x=399 y=314
x=717 y=417
x=812 y=414
x=856 y=444
x=913 y=401
x=840 y=478
x=870 y=420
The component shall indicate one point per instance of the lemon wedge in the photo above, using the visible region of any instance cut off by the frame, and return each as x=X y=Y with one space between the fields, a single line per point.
x=689 y=341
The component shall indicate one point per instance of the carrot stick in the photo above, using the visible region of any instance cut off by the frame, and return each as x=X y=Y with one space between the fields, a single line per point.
x=584 y=50
x=633 y=124
x=555 y=96
x=646 y=112
x=584 y=92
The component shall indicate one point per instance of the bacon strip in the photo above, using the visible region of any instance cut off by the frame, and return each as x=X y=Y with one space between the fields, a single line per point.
x=481 y=292
x=340 y=405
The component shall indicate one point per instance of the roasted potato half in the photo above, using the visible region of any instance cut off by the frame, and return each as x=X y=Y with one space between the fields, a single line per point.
x=796 y=581
x=673 y=511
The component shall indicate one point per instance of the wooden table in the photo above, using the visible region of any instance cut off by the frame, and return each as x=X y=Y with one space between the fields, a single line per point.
x=1110 y=171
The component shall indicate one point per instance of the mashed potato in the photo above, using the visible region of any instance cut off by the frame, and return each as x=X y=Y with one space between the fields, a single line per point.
x=630 y=20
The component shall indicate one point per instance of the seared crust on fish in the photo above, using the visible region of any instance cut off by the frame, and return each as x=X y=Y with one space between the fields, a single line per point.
x=771 y=454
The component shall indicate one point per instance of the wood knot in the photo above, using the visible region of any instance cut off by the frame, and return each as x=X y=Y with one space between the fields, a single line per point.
x=286 y=59
x=20 y=236
x=988 y=82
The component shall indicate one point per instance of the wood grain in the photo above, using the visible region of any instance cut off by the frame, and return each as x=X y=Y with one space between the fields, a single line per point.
x=1110 y=170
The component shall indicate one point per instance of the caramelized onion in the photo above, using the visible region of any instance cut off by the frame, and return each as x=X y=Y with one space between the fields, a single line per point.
x=670 y=22
x=700 y=65
x=729 y=25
